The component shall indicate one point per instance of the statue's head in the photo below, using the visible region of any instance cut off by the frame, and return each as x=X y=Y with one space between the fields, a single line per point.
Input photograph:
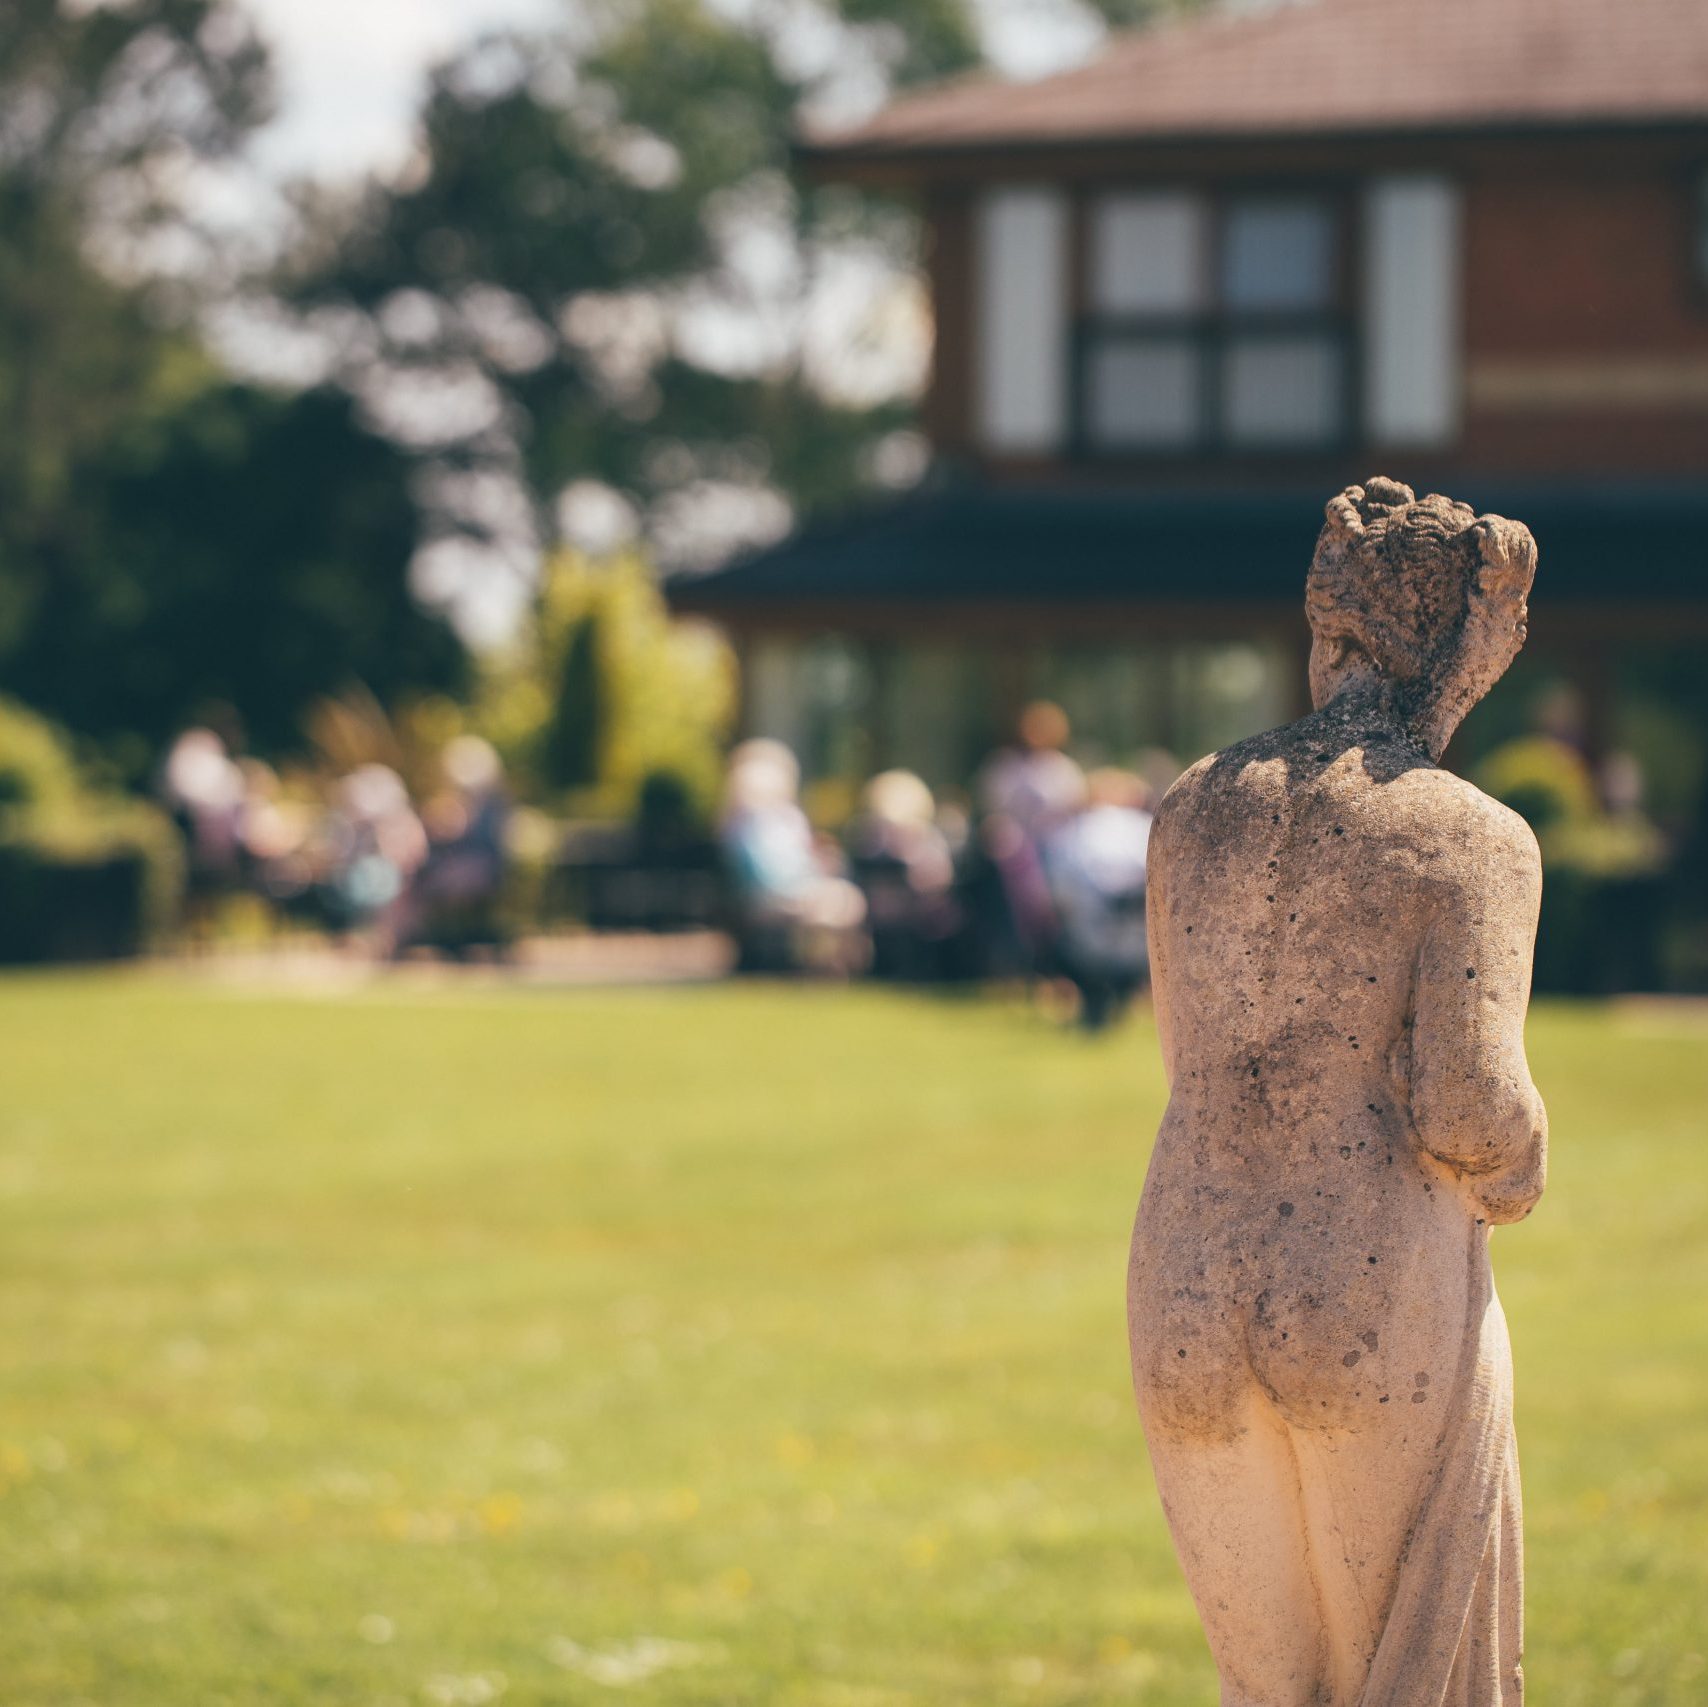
x=1420 y=594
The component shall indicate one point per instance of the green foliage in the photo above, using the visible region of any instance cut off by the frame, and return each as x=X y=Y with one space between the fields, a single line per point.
x=1126 y=14
x=84 y=870
x=570 y=747
x=1662 y=721
x=1606 y=846
x=100 y=106
x=1603 y=914
x=245 y=549
x=575 y=194
x=1549 y=785
x=98 y=96
x=748 y=1348
x=927 y=39
x=1543 y=780
x=38 y=778
x=577 y=242
x=168 y=539
x=606 y=690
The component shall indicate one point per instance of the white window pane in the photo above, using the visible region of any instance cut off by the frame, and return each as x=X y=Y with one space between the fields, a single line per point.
x=1143 y=394
x=1147 y=253
x=1412 y=288
x=1022 y=320
x=1278 y=255
x=1281 y=391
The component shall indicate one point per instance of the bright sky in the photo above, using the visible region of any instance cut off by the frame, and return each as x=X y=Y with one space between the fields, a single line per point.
x=351 y=71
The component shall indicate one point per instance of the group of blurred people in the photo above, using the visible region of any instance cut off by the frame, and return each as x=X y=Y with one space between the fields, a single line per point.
x=362 y=858
x=1041 y=875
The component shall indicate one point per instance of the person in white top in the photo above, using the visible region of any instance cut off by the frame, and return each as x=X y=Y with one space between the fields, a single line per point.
x=1096 y=866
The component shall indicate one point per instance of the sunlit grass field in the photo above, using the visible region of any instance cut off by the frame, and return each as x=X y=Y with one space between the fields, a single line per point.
x=734 y=1345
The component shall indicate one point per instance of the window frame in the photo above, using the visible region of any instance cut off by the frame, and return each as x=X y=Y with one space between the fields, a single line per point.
x=1696 y=233
x=1211 y=330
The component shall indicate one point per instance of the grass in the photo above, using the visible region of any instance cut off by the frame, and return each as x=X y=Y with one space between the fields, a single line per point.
x=747 y=1345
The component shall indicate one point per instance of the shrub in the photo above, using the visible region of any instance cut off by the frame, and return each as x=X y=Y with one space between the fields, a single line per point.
x=607 y=690
x=1603 y=890
x=85 y=873
x=1544 y=781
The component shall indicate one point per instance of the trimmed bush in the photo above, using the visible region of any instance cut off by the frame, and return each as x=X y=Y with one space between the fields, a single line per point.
x=85 y=873
x=1603 y=890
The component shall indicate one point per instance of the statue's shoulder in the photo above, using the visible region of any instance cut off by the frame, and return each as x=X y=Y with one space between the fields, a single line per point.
x=1189 y=794
x=1213 y=800
x=1223 y=771
x=1186 y=787
x=1463 y=821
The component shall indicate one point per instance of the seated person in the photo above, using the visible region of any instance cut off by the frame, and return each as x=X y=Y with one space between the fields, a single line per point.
x=904 y=867
x=1096 y=866
x=793 y=908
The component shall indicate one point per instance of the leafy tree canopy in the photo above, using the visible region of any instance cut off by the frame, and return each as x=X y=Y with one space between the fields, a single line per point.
x=101 y=105
x=604 y=273
x=601 y=270
x=607 y=690
x=245 y=550
x=168 y=538
x=98 y=98
x=600 y=277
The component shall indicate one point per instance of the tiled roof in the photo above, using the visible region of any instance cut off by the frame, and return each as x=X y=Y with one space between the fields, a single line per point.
x=1316 y=67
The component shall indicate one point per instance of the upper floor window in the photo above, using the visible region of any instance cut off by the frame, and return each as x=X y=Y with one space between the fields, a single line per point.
x=1213 y=324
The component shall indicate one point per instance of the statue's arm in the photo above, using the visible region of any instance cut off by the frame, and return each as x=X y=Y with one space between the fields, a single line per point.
x=1473 y=1103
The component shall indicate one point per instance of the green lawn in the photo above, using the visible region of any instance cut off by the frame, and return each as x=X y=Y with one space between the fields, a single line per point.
x=741 y=1345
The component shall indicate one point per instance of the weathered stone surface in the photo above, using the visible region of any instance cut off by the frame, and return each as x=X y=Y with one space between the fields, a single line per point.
x=1341 y=937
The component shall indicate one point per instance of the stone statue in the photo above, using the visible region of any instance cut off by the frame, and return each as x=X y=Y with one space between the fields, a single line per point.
x=1341 y=937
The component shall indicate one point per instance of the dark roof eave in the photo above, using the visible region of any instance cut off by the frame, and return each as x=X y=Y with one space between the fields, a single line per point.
x=825 y=159
x=1007 y=550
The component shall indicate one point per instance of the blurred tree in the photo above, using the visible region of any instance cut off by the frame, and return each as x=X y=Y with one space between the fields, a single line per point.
x=569 y=752
x=604 y=690
x=98 y=100
x=919 y=39
x=599 y=271
x=244 y=549
x=1125 y=14
x=102 y=110
x=168 y=539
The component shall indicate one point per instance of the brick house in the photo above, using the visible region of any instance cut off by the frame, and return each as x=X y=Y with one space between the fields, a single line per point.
x=1185 y=292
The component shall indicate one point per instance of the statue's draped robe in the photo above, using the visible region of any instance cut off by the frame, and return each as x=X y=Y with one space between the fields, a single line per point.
x=1453 y=1632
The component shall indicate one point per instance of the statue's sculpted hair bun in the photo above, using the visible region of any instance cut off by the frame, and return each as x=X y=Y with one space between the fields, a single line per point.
x=1393 y=572
x=1431 y=593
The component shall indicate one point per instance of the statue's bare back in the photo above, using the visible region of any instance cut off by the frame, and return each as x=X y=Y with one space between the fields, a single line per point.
x=1341 y=937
